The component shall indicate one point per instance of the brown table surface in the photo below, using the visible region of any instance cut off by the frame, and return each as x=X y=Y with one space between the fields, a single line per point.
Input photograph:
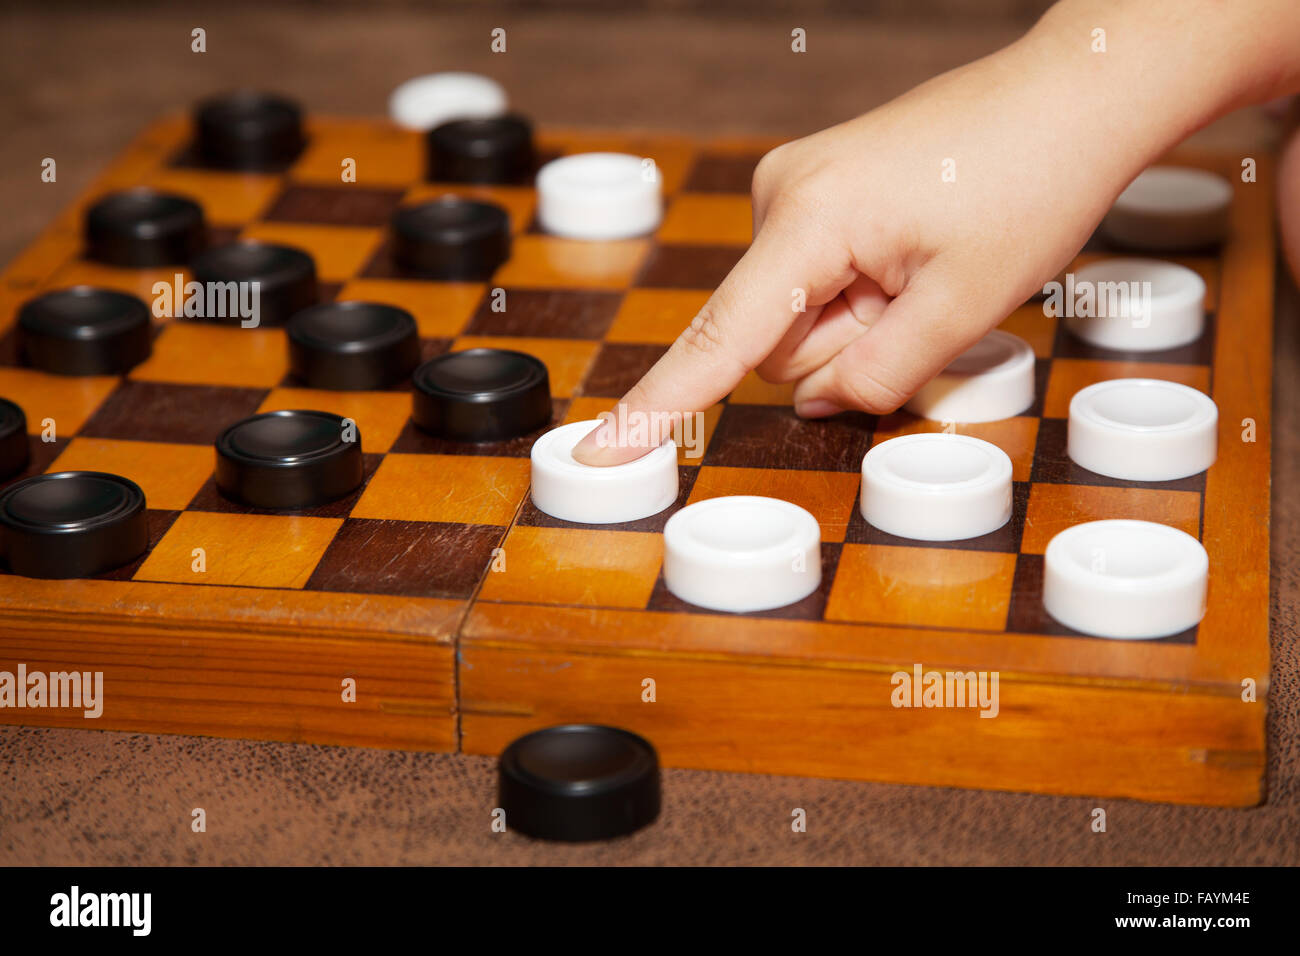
x=77 y=87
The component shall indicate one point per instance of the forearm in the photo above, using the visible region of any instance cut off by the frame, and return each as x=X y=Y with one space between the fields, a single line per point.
x=1169 y=66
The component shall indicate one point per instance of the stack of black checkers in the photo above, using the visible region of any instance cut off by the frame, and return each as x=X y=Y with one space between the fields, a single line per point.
x=579 y=782
x=481 y=395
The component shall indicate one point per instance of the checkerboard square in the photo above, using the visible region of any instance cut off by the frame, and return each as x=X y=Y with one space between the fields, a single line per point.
x=1200 y=352
x=810 y=608
x=1015 y=436
x=68 y=400
x=137 y=282
x=228 y=199
x=1052 y=464
x=656 y=316
x=704 y=219
x=530 y=516
x=159 y=523
x=441 y=309
x=414 y=558
x=723 y=173
x=566 y=360
x=380 y=416
x=456 y=489
x=577 y=566
x=922 y=587
x=169 y=474
x=518 y=201
x=1006 y=538
x=339 y=251
x=385 y=154
x=1053 y=508
x=268 y=551
x=618 y=367
x=414 y=440
x=752 y=390
x=345 y=204
x=771 y=436
x=548 y=262
x=688 y=267
x=542 y=314
x=1030 y=324
x=210 y=498
x=183 y=414
x=1028 y=616
x=41 y=454
x=828 y=495
x=672 y=154
x=1070 y=375
x=200 y=353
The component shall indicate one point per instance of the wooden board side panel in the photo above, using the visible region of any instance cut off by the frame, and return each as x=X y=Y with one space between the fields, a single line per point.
x=788 y=720
x=226 y=685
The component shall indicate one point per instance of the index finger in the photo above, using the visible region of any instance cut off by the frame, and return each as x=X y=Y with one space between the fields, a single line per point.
x=743 y=321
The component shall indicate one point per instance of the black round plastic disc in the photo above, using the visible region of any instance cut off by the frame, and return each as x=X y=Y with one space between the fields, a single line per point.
x=138 y=228
x=248 y=130
x=481 y=395
x=72 y=524
x=286 y=279
x=289 y=460
x=14 y=450
x=496 y=150
x=579 y=782
x=451 y=238
x=85 y=331
x=350 y=345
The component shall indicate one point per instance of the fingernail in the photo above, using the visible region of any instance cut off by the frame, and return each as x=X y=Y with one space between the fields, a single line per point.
x=816 y=408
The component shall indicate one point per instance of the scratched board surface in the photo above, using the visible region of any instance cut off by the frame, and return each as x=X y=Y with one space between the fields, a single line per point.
x=465 y=616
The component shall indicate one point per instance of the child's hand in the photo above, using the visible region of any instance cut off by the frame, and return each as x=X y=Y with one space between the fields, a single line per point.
x=908 y=233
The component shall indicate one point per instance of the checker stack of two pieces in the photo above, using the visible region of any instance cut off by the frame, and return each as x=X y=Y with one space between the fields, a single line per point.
x=1110 y=578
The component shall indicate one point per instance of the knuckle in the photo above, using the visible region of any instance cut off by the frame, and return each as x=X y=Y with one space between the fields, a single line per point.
x=767 y=173
x=871 y=393
x=702 y=336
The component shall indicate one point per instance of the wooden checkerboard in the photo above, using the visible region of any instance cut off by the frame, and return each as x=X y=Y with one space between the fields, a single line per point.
x=467 y=617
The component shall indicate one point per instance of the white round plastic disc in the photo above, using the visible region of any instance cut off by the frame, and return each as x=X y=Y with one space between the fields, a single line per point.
x=1125 y=579
x=1171 y=208
x=599 y=196
x=1143 y=429
x=742 y=553
x=992 y=379
x=1138 y=305
x=936 y=487
x=428 y=101
x=564 y=488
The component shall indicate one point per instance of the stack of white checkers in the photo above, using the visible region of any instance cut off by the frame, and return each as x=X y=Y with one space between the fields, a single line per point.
x=1111 y=578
